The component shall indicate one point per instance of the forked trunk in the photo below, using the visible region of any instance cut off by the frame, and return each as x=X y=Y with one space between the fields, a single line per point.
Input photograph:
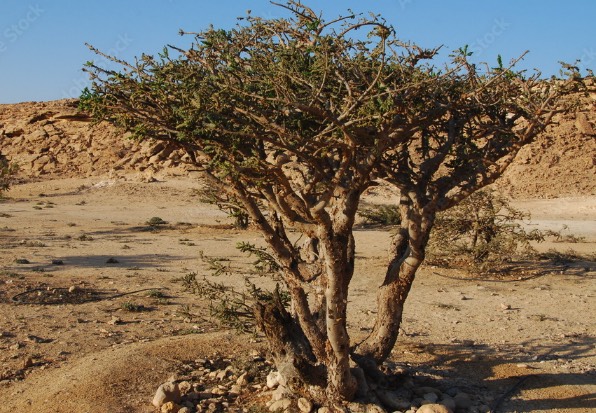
x=407 y=254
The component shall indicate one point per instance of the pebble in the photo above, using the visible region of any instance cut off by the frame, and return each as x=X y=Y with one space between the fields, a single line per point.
x=167 y=392
x=115 y=320
x=169 y=407
x=281 y=404
x=242 y=379
x=305 y=405
x=28 y=362
x=449 y=403
x=462 y=401
x=433 y=408
x=273 y=379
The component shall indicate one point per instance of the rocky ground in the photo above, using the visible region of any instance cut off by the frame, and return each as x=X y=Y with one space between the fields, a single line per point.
x=94 y=315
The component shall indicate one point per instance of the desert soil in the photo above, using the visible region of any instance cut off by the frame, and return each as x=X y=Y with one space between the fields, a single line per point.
x=77 y=257
x=86 y=351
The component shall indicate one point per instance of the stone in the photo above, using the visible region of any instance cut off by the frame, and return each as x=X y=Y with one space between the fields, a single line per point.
x=242 y=379
x=392 y=401
x=583 y=124
x=305 y=405
x=235 y=390
x=273 y=379
x=433 y=408
x=448 y=402
x=170 y=407
x=184 y=410
x=280 y=405
x=421 y=391
x=115 y=320
x=373 y=408
x=431 y=397
x=324 y=409
x=28 y=362
x=462 y=401
x=184 y=387
x=167 y=392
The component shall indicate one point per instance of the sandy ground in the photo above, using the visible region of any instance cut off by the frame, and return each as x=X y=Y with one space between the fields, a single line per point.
x=84 y=350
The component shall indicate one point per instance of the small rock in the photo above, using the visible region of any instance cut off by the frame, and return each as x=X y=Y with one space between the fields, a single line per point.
x=28 y=362
x=433 y=408
x=57 y=262
x=280 y=405
x=522 y=365
x=167 y=392
x=324 y=410
x=431 y=397
x=273 y=379
x=235 y=390
x=16 y=346
x=184 y=387
x=72 y=289
x=112 y=261
x=390 y=400
x=170 y=407
x=583 y=124
x=420 y=391
x=505 y=306
x=373 y=408
x=279 y=393
x=305 y=405
x=462 y=401
x=448 y=402
x=184 y=410
x=114 y=321
x=242 y=380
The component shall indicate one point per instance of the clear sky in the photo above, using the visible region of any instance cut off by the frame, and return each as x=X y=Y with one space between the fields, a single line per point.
x=42 y=46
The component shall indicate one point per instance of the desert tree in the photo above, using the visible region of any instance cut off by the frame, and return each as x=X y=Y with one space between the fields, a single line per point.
x=8 y=171
x=294 y=118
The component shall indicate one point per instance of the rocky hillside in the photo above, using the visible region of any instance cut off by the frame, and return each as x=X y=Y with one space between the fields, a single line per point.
x=51 y=139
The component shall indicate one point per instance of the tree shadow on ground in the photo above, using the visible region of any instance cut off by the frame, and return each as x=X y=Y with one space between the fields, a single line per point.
x=523 y=377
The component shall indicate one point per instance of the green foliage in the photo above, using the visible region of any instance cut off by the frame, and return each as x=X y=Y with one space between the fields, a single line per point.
x=133 y=307
x=8 y=170
x=484 y=228
x=230 y=307
x=156 y=222
x=380 y=214
x=88 y=100
x=226 y=203
x=265 y=263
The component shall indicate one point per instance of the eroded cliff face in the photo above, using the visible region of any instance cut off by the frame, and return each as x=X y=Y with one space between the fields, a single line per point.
x=53 y=139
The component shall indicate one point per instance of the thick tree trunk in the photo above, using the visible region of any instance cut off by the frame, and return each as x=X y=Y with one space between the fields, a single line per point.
x=407 y=253
x=341 y=385
x=292 y=352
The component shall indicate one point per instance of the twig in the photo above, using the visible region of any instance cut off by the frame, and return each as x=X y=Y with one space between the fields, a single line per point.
x=509 y=393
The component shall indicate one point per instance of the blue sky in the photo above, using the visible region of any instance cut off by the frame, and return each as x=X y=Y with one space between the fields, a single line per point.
x=42 y=42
